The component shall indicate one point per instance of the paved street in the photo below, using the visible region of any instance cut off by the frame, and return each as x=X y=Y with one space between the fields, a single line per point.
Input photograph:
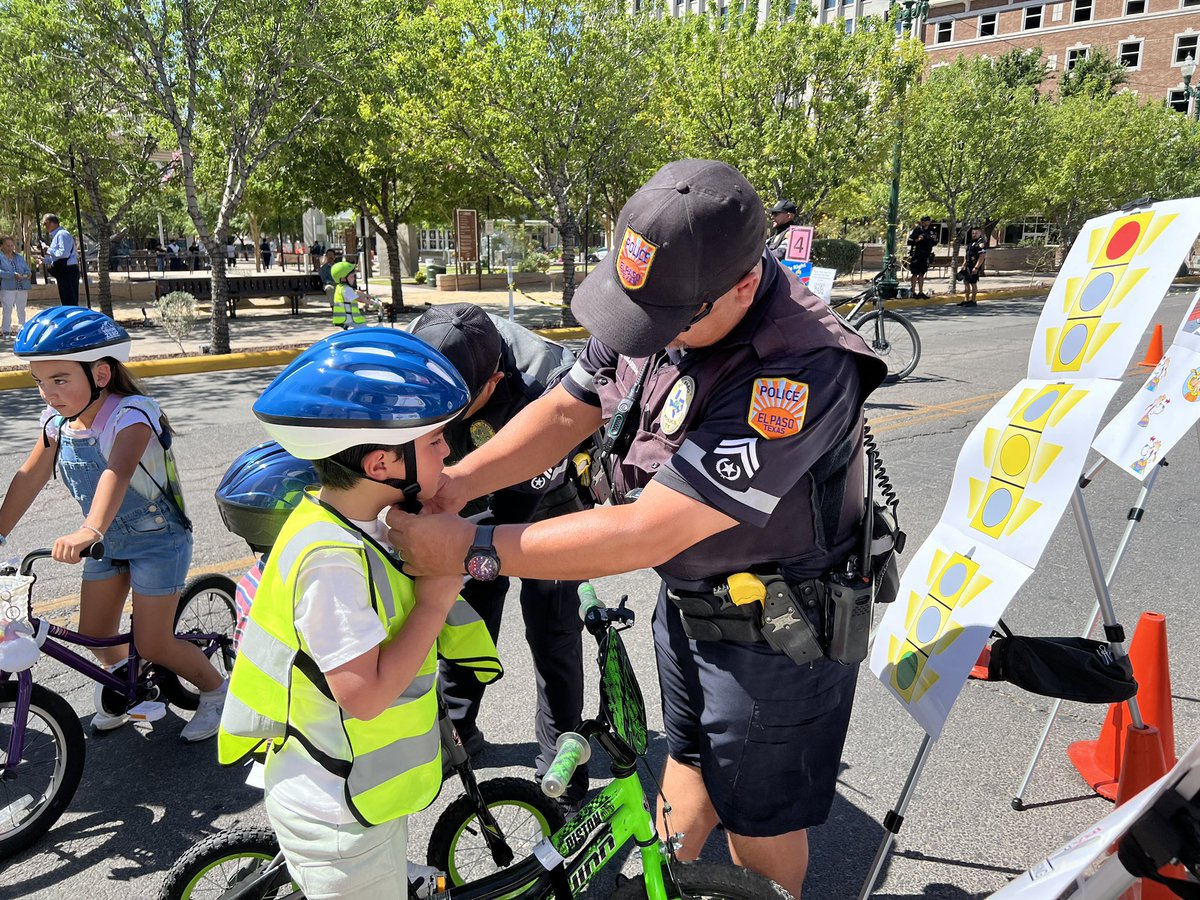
x=146 y=798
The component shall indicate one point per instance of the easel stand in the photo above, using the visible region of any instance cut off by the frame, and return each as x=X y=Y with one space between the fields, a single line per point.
x=1114 y=634
x=1135 y=516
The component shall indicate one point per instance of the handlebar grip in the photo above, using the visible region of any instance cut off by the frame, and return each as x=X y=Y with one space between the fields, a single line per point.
x=96 y=551
x=573 y=751
x=588 y=599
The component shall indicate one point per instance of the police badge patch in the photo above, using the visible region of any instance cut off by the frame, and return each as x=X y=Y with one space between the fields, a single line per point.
x=733 y=463
x=675 y=410
x=634 y=259
x=481 y=432
x=777 y=407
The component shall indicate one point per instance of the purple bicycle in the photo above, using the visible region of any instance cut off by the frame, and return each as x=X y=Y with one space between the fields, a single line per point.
x=41 y=738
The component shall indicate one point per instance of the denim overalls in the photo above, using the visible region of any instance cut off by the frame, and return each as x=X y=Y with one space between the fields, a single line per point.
x=147 y=538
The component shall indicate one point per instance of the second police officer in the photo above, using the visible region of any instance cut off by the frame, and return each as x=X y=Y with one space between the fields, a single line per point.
x=746 y=460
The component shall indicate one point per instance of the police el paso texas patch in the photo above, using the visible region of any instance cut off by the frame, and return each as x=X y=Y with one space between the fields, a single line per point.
x=777 y=407
x=634 y=259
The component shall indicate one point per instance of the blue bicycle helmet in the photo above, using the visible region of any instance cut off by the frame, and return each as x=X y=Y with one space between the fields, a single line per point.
x=260 y=490
x=365 y=386
x=72 y=332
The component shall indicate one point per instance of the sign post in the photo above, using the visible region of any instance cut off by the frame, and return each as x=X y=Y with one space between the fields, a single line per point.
x=466 y=241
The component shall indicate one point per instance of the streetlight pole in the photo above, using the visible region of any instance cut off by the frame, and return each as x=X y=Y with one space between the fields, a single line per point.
x=908 y=13
x=1190 y=94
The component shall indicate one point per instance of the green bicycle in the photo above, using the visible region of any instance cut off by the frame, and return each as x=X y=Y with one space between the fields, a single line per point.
x=562 y=864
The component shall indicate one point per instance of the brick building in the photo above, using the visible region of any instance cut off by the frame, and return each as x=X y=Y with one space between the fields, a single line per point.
x=1152 y=38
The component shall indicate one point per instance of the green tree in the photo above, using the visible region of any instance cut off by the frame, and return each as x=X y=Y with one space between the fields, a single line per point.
x=540 y=96
x=1021 y=68
x=970 y=145
x=805 y=111
x=1098 y=75
x=232 y=81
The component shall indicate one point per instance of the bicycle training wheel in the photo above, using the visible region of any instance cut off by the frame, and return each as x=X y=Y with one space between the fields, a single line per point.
x=206 y=606
x=39 y=791
x=708 y=881
x=525 y=816
x=894 y=340
x=224 y=860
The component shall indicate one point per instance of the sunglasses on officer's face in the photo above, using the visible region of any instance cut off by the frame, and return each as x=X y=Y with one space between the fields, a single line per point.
x=705 y=309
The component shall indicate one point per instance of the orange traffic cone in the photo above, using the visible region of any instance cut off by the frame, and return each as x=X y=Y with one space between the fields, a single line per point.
x=1154 y=353
x=979 y=671
x=1143 y=764
x=1100 y=762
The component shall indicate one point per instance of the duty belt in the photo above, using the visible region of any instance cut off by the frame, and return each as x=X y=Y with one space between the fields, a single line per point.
x=757 y=608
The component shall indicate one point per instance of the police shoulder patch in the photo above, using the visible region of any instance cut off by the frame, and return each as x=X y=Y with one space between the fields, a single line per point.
x=481 y=432
x=675 y=410
x=777 y=407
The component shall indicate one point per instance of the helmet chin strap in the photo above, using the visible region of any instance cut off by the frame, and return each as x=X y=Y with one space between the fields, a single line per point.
x=409 y=484
x=95 y=392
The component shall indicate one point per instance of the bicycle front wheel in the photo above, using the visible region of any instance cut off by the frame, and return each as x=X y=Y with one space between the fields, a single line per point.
x=38 y=791
x=525 y=815
x=206 y=606
x=894 y=340
x=708 y=881
x=222 y=862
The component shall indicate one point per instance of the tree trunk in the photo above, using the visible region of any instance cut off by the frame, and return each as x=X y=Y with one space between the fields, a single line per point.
x=954 y=244
x=568 y=229
x=103 y=262
x=391 y=240
x=255 y=240
x=219 y=323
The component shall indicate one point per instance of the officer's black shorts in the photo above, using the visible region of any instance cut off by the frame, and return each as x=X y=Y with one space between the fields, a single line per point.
x=918 y=265
x=766 y=733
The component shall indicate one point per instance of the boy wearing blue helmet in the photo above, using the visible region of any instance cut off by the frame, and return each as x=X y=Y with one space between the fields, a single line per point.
x=335 y=680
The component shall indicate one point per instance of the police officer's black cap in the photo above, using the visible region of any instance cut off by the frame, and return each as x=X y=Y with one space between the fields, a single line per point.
x=686 y=237
x=784 y=206
x=466 y=336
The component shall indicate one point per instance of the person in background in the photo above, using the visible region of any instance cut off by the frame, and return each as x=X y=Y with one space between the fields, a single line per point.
x=14 y=285
x=265 y=250
x=783 y=217
x=326 y=273
x=62 y=260
x=230 y=253
x=921 y=241
x=973 y=267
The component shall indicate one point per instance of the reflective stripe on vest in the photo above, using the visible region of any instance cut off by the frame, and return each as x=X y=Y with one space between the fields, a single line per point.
x=392 y=763
x=339 y=308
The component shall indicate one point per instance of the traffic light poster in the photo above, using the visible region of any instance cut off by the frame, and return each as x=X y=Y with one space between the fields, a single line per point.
x=1112 y=281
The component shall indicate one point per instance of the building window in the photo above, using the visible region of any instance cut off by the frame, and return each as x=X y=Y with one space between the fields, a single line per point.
x=1185 y=46
x=944 y=33
x=1074 y=55
x=1052 y=62
x=831 y=4
x=1135 y=7
x=1187 y=3
x=1178 y=100
x=848 y=26
x=1129 y=53
x=1033 y=17
x=1083 y=11
x=987 y=25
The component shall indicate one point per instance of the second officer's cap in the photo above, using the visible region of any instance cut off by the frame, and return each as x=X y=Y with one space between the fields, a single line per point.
x=466 y=336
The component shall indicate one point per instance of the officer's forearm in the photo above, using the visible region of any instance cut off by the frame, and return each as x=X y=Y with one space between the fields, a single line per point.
x=536 y=439
x=608 y=540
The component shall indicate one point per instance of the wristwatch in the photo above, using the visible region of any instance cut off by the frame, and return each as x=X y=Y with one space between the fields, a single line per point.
x=482 y=563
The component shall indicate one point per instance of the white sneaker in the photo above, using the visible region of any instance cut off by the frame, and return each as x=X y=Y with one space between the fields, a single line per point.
x=207 y=719
x=102 y=720
x=425 y=881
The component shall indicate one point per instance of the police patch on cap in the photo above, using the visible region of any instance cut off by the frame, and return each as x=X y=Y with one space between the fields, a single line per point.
x=777 y=407
x=634 y=259
x=677 y=405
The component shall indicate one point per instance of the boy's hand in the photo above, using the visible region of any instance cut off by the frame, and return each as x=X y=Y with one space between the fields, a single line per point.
x=430 y=545
x=68 y=547
x=450 y=497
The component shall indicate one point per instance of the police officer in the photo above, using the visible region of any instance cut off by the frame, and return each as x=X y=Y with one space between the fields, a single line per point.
x=783 y=217
x=506 y=367
x=747 y=457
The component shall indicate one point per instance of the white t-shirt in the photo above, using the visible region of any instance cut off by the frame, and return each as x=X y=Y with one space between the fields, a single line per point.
x=335 y=618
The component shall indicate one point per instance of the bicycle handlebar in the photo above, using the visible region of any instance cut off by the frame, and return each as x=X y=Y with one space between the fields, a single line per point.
x=95 y=551
x=572 y=751
x=588 y=599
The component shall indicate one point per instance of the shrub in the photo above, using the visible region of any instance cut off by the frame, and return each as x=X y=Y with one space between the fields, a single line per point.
x=535 y=261
x=834 y=253
x=419 y=277
x=177 y=311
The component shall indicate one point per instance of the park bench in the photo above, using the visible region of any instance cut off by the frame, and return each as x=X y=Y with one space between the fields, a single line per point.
x=247 y=287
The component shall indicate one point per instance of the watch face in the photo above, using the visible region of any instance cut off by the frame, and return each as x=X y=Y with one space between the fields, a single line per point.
x=483 y=567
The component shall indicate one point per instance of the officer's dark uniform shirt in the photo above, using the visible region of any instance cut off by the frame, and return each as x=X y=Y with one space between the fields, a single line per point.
x=763 y=426
x=975 y=249
x=921 y=241
x=529 y=364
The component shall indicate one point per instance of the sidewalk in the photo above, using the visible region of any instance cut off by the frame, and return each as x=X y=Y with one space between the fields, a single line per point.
x=265 y=333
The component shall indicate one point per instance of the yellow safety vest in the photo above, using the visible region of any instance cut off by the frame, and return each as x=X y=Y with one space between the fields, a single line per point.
x=392 y=763
x=339 y=308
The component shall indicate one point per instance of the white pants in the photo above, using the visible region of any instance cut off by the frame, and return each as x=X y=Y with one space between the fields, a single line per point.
x=10 y=299
x=330 y=861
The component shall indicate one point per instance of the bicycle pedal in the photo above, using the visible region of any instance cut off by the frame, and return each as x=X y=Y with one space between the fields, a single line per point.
x=148 y=711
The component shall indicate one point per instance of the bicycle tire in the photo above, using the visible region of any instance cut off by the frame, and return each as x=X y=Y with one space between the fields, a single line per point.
x=66 y=735
x=708 y=881
x=236 y=848
x=223 y=588
x=893 y=352
x=446 y=850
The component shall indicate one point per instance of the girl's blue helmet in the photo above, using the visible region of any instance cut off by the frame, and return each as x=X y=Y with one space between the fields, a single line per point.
x=72 y=332
x=365 y=386
x=260 y=490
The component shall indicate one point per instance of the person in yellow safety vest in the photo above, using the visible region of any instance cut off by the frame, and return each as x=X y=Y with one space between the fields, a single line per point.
x=347 y=313
x=335 y=680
